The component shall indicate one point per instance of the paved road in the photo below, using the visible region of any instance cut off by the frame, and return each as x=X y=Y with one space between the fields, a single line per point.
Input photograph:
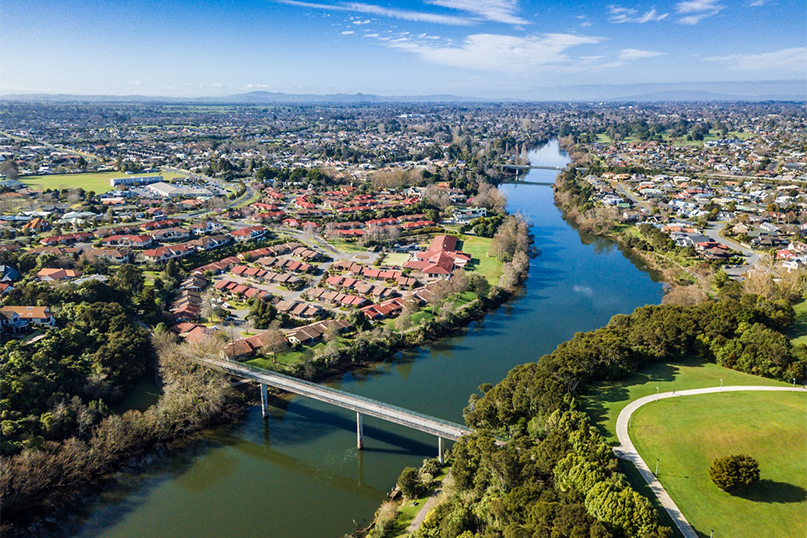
x=627 y=451
x=751 y=257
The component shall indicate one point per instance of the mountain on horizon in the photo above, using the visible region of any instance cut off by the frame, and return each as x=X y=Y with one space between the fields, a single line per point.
x=787 y=90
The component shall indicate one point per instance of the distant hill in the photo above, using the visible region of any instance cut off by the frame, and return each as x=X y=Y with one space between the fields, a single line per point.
x=780 y=90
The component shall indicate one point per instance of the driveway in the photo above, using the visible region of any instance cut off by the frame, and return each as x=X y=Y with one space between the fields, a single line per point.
x=627 y=451
x=751 y=257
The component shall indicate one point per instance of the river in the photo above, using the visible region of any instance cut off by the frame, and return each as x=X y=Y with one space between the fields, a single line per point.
x=299 y=474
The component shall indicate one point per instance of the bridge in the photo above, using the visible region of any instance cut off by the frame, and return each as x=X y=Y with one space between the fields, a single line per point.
x=530 y=167
x=516 y=182
x=442 y=429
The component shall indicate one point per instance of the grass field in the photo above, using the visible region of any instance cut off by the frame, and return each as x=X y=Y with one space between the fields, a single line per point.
x=97 y=181
x=605 y=402
x=478 y=248
x=682 y=141
x=798 y=333
x=686 y=434
x=396 y=258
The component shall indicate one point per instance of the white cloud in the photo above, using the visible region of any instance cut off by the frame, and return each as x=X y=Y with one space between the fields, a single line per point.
x=697 y=10
x=348 y=32
x=628 y=55
x=794 y=60
x=621 y=15
x=503 y=11
x=758 y=3
x=361 y=21
x=495 y=52
x=370 y=9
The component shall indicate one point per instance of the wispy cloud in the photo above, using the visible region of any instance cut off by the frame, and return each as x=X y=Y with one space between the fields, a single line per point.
x=792 y=60
x=495 y=52
x=348 y=32
x=621 y=15
x=759 y=3
x=370 y=9
x=628 y=55
x=503 y=11
x=695 y=11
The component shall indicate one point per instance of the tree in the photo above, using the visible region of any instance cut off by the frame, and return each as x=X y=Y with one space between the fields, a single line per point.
x=734 y=472
x=128 y=280
x=409 y=482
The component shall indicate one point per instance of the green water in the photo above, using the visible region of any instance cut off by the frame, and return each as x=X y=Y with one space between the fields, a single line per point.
x=299 y=475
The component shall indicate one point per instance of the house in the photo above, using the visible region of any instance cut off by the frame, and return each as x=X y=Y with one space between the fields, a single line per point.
x=110 y=255
x=313 y=333
x=162 y=254
x=53 y=275
x=170 y=234
x=440 y=259
x=210 y=242
x=204 y=228
x=247 y=347
x=17 y=317
x=250 y=233
x=131 y=241
x=466 y=214
x=8 y=273
x=37 y=224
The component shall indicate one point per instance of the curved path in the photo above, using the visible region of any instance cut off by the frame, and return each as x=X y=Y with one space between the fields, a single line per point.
x=627 y=451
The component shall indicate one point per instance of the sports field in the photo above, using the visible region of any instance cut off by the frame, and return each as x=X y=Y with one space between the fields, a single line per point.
x=687 y=433
x=94 y=181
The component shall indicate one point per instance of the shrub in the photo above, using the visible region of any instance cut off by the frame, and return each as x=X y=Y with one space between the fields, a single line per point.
x=734 y=472
x=409 y=482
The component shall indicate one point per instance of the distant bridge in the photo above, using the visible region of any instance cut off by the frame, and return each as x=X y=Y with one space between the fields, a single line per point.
x=530 y=167
x=516 y=182
x=443 y=429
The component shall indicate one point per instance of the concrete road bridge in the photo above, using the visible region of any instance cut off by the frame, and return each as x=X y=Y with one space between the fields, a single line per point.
x=442 y=429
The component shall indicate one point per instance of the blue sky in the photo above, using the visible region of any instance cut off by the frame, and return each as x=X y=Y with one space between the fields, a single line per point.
x=489 y=48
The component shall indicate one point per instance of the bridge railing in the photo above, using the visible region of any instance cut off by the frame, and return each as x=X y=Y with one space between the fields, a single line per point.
x=235 y=367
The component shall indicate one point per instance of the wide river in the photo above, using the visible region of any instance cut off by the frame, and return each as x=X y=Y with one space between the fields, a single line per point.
x=299 y=474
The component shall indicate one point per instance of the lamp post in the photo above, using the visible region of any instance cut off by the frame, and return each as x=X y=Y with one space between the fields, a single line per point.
x=794 y=383
x=656 y=393
x=721 y=385
x=656 y=473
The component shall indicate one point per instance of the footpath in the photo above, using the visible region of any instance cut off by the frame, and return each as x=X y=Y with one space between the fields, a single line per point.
x=627 y=451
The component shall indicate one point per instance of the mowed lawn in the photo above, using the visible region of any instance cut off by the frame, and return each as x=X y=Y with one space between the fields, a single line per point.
x=687 y=433
x=478 y=248
x=96 y=181
x=604 y=402
x=798 y=332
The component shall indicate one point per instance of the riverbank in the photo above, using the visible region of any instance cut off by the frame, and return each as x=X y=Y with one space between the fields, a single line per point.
x=686 y=284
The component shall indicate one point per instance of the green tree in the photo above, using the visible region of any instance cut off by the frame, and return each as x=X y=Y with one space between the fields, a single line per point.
x=409 y=482
x=734 y=472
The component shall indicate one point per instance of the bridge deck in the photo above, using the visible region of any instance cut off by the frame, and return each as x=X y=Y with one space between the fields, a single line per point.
x=366 y=406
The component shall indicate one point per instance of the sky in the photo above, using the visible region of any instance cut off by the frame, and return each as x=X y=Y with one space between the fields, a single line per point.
x=472 y=48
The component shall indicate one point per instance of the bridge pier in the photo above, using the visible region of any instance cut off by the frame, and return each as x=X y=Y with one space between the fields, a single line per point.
x=440 y=450
x=359 y=431
x=264 y=401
